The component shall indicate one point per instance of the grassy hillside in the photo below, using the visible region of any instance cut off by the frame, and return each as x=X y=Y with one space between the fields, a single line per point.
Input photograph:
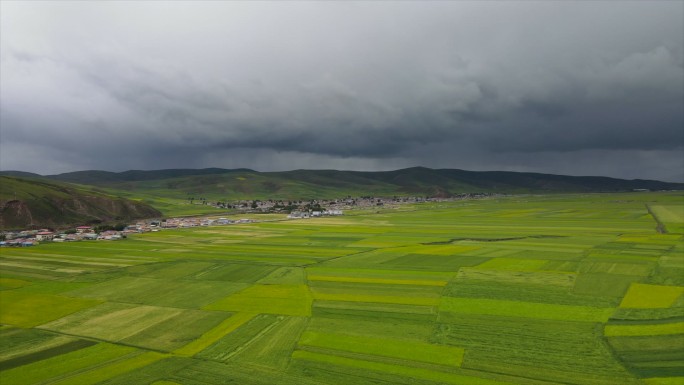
x=25 y=202
x=99 y=177
x=169 y=190
x=243 y=183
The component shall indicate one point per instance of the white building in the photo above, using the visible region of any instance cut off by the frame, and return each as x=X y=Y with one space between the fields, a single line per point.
x=45 y=236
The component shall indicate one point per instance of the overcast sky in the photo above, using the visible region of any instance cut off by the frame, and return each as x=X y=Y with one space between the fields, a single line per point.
x=574 y=87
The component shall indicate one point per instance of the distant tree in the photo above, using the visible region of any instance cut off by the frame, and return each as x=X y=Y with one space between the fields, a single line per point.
x=101 y=228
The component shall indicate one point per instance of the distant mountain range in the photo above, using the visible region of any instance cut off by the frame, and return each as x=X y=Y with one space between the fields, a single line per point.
x=93 y=196
x=245 y=183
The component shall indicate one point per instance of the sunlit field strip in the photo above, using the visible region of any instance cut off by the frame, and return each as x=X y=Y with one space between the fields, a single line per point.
x=33 y=309
x=651 y=296
x=645 y=330
x=664 y=380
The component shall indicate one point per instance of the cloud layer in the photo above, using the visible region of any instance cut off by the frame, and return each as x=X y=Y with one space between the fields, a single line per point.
x=569 y=87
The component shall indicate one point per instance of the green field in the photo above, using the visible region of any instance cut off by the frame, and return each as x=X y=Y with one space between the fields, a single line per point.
x=554 y=289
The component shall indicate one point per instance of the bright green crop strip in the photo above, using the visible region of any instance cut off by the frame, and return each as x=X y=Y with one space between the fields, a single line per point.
x=644 y=330
x=642 y=296
x=29 y=309
x=664 y=381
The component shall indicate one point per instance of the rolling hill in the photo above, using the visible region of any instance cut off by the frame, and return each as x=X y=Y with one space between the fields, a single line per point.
x=170 y=191
x=245 y=183
x=34 y=201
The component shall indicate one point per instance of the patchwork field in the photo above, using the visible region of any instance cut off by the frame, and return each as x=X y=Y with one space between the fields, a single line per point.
x=565 y=289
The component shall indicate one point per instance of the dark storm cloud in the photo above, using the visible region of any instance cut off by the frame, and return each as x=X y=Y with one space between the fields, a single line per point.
x=577 y=87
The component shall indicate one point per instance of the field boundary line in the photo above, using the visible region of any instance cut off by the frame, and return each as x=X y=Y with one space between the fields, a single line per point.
x=104 y=341
x=342 y=256
x=210 y=337
x=660 y=226
x=262 y=333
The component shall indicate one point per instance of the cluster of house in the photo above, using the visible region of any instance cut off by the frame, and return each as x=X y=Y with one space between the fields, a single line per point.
x=80 y=233
x=289 y=206
x=314 y=214
x=83 y=233
x=321 y=205
x=174 y=223
x=33 y=237
x=307 y=208
x=300 y=210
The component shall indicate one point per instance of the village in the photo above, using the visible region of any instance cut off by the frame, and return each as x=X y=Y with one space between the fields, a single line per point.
x=294 y=210
x=329 y=205
x=27 y=238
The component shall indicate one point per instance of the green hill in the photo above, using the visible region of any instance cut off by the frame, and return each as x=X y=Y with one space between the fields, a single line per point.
x=171 y=190
x=28 y=202
x=103 y=177
x=248 y=184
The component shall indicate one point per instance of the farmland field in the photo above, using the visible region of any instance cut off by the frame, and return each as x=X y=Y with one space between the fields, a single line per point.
x=556 y=289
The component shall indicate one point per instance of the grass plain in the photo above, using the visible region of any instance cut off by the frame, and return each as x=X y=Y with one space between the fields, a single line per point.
x=569 y=289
